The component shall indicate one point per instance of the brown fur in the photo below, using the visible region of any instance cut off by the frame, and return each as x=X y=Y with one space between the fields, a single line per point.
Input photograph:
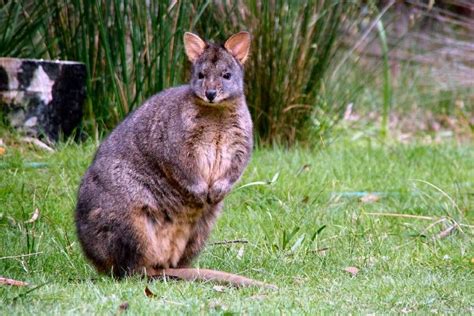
x=155 y=188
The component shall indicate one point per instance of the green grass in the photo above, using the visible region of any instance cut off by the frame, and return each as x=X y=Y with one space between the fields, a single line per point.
x=309 y=207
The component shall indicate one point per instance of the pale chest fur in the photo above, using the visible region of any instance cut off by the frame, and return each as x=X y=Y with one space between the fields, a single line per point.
x=215 y=142
x=213 y=154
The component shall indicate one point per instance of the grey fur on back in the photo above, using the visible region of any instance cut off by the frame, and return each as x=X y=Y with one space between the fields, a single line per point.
x=156 y=184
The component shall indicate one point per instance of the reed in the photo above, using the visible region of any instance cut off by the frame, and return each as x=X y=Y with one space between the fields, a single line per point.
x=131 y=48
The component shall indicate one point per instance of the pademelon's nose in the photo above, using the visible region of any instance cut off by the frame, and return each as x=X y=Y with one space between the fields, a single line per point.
x=211 y=94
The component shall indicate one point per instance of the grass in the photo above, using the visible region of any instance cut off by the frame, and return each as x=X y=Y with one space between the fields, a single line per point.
x=302 y=231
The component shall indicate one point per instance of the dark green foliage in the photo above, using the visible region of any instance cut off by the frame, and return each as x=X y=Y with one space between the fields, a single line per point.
x=293 y=46
x=306 y=64
x=19 y=26
x=133 y=49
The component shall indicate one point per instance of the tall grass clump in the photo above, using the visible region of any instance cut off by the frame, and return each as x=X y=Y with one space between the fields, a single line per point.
x=293 y=47
x=131 y=49
x=19 y=25
x=310 y=59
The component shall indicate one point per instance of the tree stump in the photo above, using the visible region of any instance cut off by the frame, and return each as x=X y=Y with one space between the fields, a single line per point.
x=42 y=98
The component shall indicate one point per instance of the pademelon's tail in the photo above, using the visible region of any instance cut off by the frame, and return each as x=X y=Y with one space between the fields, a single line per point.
x=194 y=274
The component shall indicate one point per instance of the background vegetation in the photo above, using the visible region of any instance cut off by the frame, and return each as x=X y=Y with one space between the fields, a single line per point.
x=310 y=59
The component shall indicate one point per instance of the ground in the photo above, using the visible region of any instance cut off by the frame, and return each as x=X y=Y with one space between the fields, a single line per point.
x=300 y=218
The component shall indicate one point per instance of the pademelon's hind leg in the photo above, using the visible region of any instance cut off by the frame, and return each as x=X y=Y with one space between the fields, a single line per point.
x=161 y=240
x=199 y=236
x=110 y=242
x=126 y=253
x=136 y=247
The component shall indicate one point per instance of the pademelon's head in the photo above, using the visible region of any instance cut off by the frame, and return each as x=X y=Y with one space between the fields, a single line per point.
x=217 y=71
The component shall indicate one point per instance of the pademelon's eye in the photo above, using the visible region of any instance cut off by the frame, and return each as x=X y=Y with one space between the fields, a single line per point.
x=227 y=75
x=200 y=75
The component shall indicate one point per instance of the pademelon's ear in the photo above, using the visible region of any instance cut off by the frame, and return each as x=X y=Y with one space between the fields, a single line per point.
x=239 y=45
x=193 y=45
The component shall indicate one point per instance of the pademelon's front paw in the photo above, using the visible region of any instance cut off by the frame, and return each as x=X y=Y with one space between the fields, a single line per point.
x=198 y=193
x=218 y=191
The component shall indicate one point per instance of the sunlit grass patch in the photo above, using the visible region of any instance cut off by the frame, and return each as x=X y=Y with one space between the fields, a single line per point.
x=299 y=230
